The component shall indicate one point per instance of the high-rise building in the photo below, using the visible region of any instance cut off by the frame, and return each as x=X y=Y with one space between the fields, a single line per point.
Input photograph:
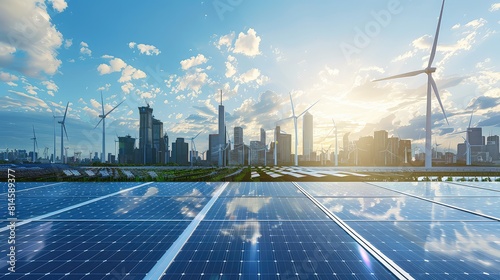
x=158 y=142
x=391 y=153
x=493 y=146
x=126 y=149
x=146 y=134
x=365 y=151
x=167 y=148
x=346 y=151
x=213 y=149
x=262 y=136
x=284 y=147
x=222 y=132
x=380 y=147
x=475 y=135
x=237 y=154
x=307 y=136
x=180 y=152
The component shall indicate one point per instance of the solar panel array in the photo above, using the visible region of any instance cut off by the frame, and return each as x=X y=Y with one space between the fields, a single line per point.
x=276 y=230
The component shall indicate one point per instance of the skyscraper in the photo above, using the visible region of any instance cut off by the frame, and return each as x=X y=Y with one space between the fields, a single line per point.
x=126 y=149
x=213 y=149
x=146 y=134
x=180 y=152
x=493 y=146
x=222 y=132
x=262 y=136
x=475 y=135
x=307 y=136
x=238 y=156
x=158 y=142
x=380 y=146
x=284 y=147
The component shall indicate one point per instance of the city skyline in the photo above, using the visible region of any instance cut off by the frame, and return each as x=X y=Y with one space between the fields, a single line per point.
x=253 y=60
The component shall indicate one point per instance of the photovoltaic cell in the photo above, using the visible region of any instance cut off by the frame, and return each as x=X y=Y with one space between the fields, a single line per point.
x=484 y=205
x=265 y=208
x=91 y=250
x=29 y=207
x=179 y=189
x=433 y=189
x=262 y=189
x=434 y=250
x=402 y=208
x=273 y=250
x=138 y=207
x=357 y=189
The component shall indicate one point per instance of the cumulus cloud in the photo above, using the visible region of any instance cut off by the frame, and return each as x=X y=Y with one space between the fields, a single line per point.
x=230 y=66
x=128 y=72
x=7 y=77
x=127 y=87
x=145 y=49
x=84 y=49
x=193 y=61
x=31 y=54
x=59 y=5
x=250 y=75
x=226 y=40
x=51 y=87
x=68 y=43
x=247 y=44
x=115 y=65
x=192 y=82
x=495 y=7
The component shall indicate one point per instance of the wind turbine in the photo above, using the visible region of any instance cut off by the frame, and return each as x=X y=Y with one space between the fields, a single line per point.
x=295 y=118
x=63 y=128
x=468 y=154
x=103 y=120
x=35 y=144
x=193 y=147
x=55 y=150
x=431 y=85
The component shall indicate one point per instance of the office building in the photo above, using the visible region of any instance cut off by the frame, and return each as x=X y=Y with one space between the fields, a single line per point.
x=307 y=136
x=475 y=135
x=263 y=136
x=180 y=152
x=404 y=153
x=222 y=133
x=213 y=149
x=493 y=147
x=126 y=150
x=146 y=135
x=284 y=147
x=158 y=142
x=380 y=147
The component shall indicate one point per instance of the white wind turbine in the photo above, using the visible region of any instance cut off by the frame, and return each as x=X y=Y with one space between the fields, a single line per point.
x=35 y=144
x=193 y=148
x=295 y=118
x=63 y=129
x=468 y=154
x=103 y=120
x=431 y=85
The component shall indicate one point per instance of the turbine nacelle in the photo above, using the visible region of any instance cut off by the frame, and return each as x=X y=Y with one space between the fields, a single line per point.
x=430 y=70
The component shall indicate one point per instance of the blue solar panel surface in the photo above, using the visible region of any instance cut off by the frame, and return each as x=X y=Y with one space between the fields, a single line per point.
x=255 y=230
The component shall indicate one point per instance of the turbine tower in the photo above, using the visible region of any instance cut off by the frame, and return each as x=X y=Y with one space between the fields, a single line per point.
x=336 y=144
x=193 y=147
x=63 y=128
x=295 y=118
x=35 y=144
x=431 y=85
x=103 y=120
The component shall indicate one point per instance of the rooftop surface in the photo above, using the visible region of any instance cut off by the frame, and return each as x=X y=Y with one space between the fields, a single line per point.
x=272 y=230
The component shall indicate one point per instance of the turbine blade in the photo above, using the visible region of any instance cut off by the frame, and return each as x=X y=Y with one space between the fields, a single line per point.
x=434 y=86
x=65 y=132
x=34 y=135
x=113 y=108
x=98 y=123
x=102 y=104
x=307 y=109
x=334 y=124
x=64 y=118
x=470 y=121
x=409 y=74
x=293 y=108
x=197 y=135
x=434 y=45
x=285 y=119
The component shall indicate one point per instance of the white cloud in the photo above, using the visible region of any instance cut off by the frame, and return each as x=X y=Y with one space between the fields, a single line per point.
x=115 y=65
x=495 y=7
x=226 y=40
x=12 y=84
x=28 y=31
x=130 y=73
x=68 y=43
x=250 y=75
x=84 y=49
x=145 y=49
x=193 y=61
x=247 y=44
x=105 y=87
x=230 y=68
x=31 y=89
x=29 y=101
x=7 y=77
x=107 y=56
x=127 y=87
x=192 y=81
x=131 y=112
x=51 y=86
x=178 y=116
x=59 y=5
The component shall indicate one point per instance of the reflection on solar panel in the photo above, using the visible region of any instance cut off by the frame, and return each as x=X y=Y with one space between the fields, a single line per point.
x=278 y=230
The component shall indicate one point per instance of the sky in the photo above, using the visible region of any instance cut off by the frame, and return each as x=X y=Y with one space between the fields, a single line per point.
x=177 y=55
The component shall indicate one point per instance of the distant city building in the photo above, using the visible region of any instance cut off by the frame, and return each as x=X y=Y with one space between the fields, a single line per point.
x=345 y=153
x=158 y=142
x=284 y=150
x=404 y=153
x=493 y=147
x=307 y=137
x=167 y=148
x=380 y=147
x=364 y=150
x=126 y=150
x=263 y=136
x=180 y=152
x=392 y=152
x=146 y=134
x=222 y=133
x=213 y=149
x=475 y=135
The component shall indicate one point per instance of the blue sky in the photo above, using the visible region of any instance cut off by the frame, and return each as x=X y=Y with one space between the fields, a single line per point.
x=176 y=55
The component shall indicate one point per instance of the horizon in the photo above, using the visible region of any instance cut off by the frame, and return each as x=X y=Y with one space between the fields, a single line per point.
x=55 y=52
